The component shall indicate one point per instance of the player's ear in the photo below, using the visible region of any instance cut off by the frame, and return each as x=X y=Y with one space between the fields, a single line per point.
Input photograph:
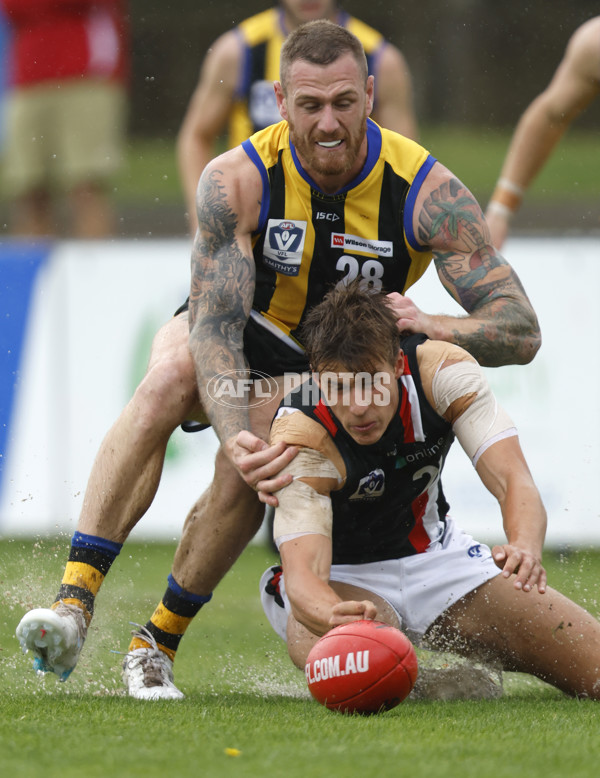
x=399 y=367
x=370 y=95
x=280 y=97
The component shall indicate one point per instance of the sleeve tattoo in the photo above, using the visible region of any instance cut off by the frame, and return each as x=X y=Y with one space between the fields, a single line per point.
x=222 y=287
x=478 y=277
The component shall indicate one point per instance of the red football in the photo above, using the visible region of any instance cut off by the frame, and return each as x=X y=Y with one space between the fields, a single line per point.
x=362 y=667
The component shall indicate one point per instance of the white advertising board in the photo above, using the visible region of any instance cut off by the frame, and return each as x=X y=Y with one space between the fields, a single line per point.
x=94 y=310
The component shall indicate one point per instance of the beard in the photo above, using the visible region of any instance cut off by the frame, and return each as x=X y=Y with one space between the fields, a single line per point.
x=329 y=162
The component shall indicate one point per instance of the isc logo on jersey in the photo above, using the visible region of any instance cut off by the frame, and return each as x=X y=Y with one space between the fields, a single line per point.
x=371 y=486
x=284 y=244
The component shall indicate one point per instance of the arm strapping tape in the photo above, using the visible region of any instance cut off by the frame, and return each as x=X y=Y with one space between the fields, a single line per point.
x=302 y=510
x=479 y=420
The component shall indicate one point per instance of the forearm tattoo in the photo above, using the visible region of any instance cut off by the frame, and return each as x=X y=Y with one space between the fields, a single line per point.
x=505 y=329
x=222 y=287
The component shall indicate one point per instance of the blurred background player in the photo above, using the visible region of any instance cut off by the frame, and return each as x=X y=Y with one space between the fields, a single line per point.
x=65 y=113
x=574 y=85
x=235 y=88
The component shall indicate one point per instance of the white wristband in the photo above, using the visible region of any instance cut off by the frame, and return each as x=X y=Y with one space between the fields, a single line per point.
x=510 y=186
x=500 y=209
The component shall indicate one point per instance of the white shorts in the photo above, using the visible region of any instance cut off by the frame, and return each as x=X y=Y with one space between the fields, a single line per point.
x=419 y=588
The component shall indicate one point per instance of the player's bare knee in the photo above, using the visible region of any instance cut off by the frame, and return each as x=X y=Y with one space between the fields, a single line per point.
x=167 y=393
x=229 y=496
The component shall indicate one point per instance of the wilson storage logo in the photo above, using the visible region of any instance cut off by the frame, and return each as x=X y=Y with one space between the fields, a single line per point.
x=382 y=248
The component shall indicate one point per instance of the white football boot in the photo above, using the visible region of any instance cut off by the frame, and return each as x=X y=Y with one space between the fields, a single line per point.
x=148 y=672
x=55 y=637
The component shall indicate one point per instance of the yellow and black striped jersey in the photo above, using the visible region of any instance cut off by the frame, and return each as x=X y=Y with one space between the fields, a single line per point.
x=308 y=241
x=262 y=36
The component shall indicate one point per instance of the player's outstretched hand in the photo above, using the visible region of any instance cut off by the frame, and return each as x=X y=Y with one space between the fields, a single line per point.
x=409 y=316
x=527 y=567
x=259 y=464
x=352 y=610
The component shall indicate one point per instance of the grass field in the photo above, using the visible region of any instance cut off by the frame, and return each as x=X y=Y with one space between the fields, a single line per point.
x=243 y=694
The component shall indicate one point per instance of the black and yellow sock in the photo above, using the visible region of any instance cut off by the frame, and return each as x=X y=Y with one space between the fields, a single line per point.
x=89 y=561
x=171 y=618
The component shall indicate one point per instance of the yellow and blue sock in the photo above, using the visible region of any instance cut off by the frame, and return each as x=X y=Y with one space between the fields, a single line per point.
x=89 y=561
x=171 y=618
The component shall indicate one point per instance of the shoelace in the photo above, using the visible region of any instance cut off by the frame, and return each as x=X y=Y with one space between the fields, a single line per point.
x=154 y=664
x=143 y=633
x=67 y=609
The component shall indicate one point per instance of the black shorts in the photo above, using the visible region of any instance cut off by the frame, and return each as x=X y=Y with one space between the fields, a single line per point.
x=268 y=354
x=265 y=352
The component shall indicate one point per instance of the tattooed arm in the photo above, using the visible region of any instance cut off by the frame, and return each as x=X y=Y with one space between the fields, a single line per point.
x=222 y=288
x=222 y=283
x=501 y=327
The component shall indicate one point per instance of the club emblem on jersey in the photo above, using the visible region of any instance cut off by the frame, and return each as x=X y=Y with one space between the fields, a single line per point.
x=371 y=486
x=284 y=243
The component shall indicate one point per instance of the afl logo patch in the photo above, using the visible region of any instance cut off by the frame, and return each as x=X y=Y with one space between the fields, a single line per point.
x=475 y=551
x=284 y=244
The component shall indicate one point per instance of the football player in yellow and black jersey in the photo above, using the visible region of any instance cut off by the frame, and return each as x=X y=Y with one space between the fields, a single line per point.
x=235 y=88
x=363 y=529
x=323 y=198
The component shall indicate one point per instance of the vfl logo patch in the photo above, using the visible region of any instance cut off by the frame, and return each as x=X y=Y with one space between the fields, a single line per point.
x=382 y=248
x=371 y=486
x=284 y=244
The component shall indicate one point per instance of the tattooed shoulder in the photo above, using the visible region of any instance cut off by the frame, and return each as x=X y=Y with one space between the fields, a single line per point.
x=217 y=221
x=452 y=217
x=222 y=268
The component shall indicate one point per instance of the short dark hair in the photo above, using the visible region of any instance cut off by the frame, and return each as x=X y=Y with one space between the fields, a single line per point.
x=351 y=328
x=320 y=42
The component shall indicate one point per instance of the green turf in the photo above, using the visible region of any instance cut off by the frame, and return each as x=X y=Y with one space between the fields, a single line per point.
x=243 y=693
